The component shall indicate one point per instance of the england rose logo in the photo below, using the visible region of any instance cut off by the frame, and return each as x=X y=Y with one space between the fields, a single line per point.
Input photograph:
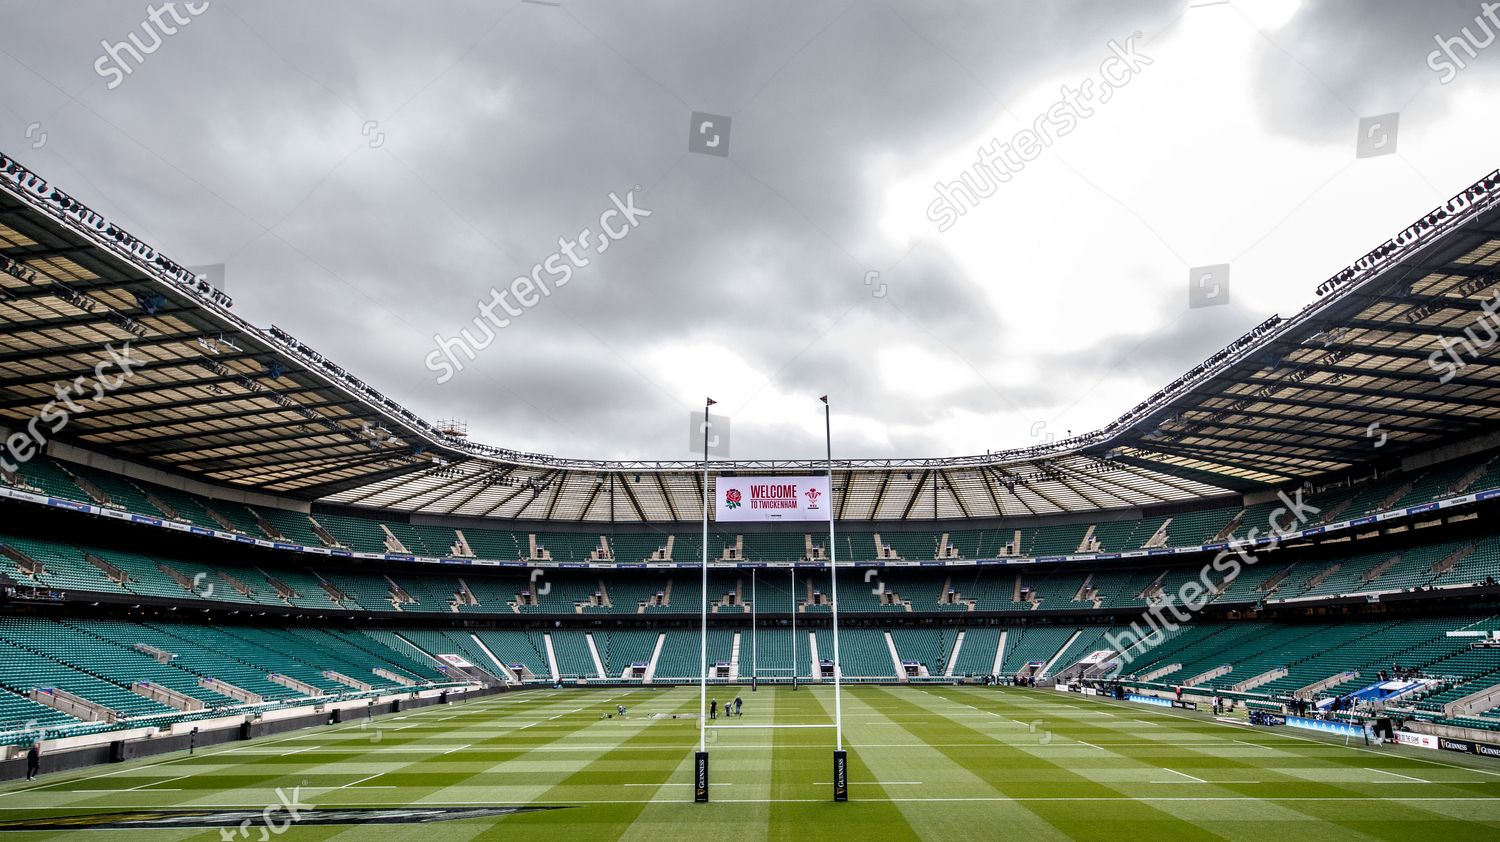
x=732 y=498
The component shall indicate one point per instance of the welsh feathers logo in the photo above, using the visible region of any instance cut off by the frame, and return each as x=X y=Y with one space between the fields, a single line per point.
x=732 y=498
x=812 y=497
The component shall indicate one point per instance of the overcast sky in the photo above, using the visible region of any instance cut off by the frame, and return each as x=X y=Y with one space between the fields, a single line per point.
x=368 y=172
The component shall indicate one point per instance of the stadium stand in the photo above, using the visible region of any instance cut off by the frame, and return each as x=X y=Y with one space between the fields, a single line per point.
x=977 y=656
x=371 y=534
x=619 y=650
x=864 y=652
x=679 y=655
x=93 y=635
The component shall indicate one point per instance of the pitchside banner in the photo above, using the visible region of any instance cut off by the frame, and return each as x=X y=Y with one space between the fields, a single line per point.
x=772 y=498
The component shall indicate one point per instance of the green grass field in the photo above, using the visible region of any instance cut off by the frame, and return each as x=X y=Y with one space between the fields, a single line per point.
x=925 y=763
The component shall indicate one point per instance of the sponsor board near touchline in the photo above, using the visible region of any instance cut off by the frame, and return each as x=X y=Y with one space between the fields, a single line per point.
x=1409 y=738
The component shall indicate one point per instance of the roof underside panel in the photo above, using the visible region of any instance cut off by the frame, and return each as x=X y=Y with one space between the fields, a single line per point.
x=1396 y=356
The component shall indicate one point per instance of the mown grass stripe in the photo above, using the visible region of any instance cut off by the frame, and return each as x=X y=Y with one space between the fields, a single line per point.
x=603 y=777
x=984 y=771
x=1011 y=770
x=1197 y=756
x=804 y=758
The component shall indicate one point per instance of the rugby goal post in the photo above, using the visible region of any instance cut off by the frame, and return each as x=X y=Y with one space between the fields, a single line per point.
x=701 y=778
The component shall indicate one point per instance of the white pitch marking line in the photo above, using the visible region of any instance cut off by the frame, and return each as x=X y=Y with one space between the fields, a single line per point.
x=1253 y=745
x=1190 y=783
x=362 y=780
x=1184 y=774
x=669 y=784
x=90 y=777
x=154 y=783
x=1414 y=799
x=113 y=791
x=460 y=748
x=765 y=727
x=1322 y=743
x=290 y=753
x=1090 y=745
x=299 y=735
x=1407 y=777
x=1383 y=782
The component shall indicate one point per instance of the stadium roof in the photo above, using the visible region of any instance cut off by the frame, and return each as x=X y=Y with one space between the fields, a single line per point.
x=1359 y=376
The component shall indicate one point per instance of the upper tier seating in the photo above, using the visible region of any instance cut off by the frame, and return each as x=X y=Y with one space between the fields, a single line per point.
x=369 y=533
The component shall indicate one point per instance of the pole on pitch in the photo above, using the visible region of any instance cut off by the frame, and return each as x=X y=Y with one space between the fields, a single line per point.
x=794 y=625
x=700 y=760
x=754 y=607
x=840 y=757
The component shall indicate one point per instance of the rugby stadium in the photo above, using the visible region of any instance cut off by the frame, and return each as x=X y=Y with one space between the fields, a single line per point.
x=239 y=546
x=245 y=592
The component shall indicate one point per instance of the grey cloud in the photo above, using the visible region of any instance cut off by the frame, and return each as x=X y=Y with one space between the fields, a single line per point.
x=1337 y=61
x=500 y=137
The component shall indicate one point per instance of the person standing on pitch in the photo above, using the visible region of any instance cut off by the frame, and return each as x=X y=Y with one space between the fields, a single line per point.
x=34 y=761
x=713 y=709
x=739 y=704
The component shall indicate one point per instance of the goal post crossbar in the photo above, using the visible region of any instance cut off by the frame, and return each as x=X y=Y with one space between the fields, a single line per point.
x=766 y=727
